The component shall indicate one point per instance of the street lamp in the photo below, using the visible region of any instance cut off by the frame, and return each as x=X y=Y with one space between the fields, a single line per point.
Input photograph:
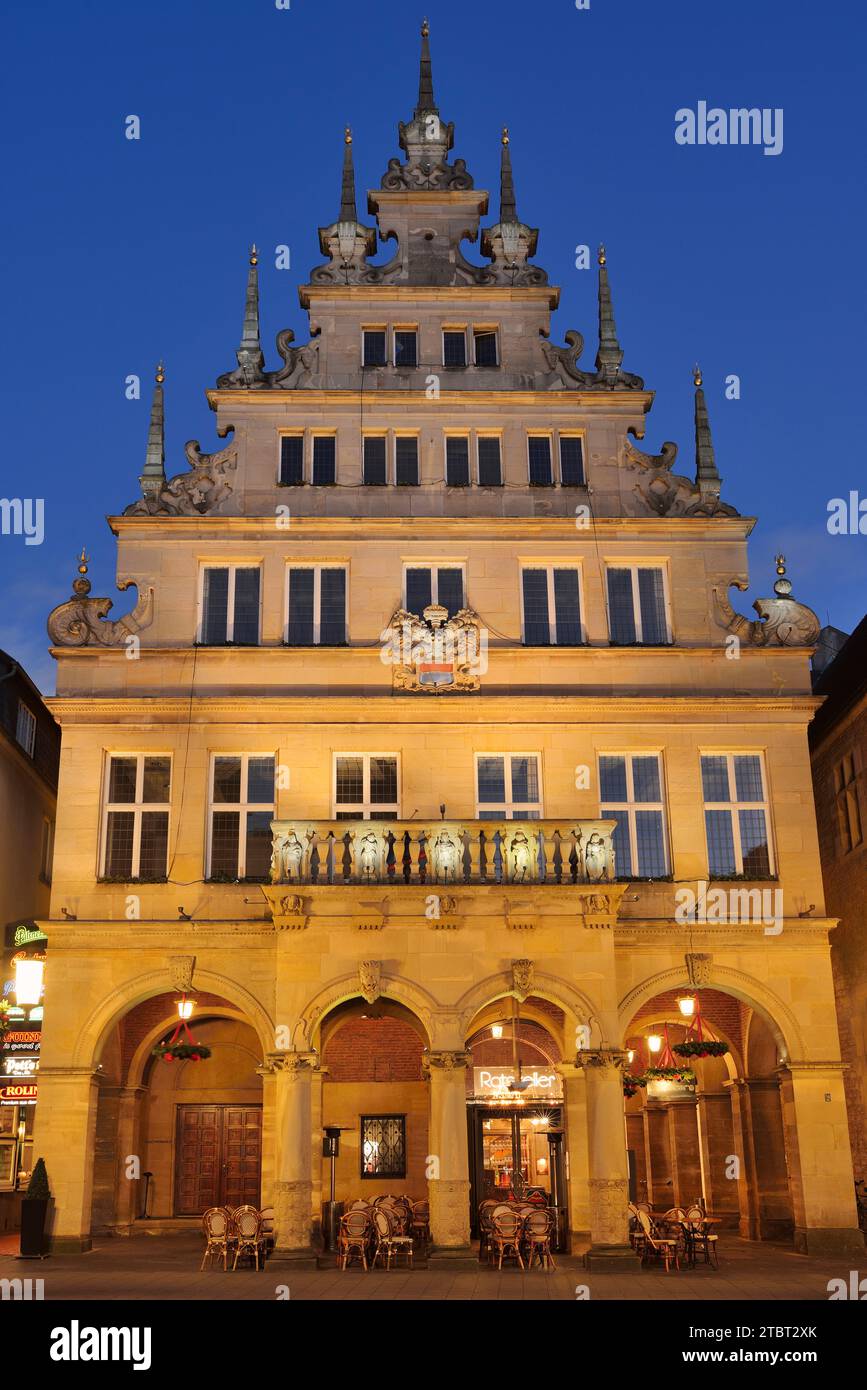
x=28 y=981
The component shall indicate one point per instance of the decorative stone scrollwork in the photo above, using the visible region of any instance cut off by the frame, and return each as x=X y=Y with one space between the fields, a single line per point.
x=523 y=972
x=81 y=621
x=447 y=1061
x=294 y=1063
x=433 y=652
x=300 y=364
x=203 y=490
x=782 y=621
x=698 y=968
x=665 y=493
x=182 y=968
x=563 y=363
x=370 y=979
x=602 y=1057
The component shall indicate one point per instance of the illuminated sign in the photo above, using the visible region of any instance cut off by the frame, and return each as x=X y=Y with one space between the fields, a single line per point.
x=22 y=1040
x=20 y=1066
x=494 y=1082
x=18 y=1093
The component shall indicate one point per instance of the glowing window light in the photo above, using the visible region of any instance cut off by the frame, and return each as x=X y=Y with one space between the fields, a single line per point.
x=28 y=982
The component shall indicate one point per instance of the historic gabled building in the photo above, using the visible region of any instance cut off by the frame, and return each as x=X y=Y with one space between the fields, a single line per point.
x=412 y=764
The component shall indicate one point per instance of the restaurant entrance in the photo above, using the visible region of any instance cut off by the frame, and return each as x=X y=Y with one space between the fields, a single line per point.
x=514 y=1150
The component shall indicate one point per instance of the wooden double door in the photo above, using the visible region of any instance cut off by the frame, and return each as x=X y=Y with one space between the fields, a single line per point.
x=218 y=1157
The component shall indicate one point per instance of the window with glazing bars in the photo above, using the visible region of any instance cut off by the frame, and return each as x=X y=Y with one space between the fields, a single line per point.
x=636 y=605
x=230 y=605
x=848 y=803
x=736 y=815
x=136 y=816
x=25 y=729
x=292 y=460
x=485 y=347
x=441 y=584
x=405 y=347
x=490 y=462
x=240 y=814
x=406 y=460
x=507 y=786
x=630 y=790
x=375 y=347
x=324 y=460
x=539 y=448
x=374 y=471
x=383 y=1146
x=551 y=607
x=454 y=347
x=365 y=786
x=457 y=461
x=316 y=606
x=571 y=460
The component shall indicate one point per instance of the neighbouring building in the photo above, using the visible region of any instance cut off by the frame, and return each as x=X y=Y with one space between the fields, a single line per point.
x=29 y=760
x=433 y=763
x=838 y=741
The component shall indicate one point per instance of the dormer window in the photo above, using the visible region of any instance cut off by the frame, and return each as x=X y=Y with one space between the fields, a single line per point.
x=374 y=347
x=454 y=347
x=406 y=347
x=485 y=353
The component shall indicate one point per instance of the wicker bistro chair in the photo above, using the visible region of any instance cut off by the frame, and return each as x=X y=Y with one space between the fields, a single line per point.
x=539 y=1228
x=486 y=1210
x=700 y=1240
x=421 y=1223
x=356 y=1230
x=250 y=1236
x=217 y=1225
x=507 y=1229
x=390 y=1243
x=655 y=1247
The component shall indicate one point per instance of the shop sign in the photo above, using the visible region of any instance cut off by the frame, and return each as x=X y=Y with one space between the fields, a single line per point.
x=494 y=1082
x=17 y=1092
x=20 y=1066
x=23 y=934
x=22 y=1040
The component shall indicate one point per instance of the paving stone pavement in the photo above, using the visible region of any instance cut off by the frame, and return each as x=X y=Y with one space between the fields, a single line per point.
x=162 y=1267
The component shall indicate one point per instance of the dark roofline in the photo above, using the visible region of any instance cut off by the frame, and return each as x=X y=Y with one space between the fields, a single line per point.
x=843 y=683
x=15 y=668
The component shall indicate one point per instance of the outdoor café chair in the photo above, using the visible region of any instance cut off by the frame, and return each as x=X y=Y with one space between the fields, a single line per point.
x=356 y=1228
x=389 y=1242
x=421 y=1223
x=506 y=1233
x=538 y=1231
x=217 y=1225
x=701 y=1241
x=250 y=1241
x=659 y=1248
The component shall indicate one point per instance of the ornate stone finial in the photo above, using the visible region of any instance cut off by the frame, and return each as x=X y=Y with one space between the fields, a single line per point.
x=348 y=204
x=600 y=255
x=83 y=561
x=346 y=242
x=783 y=586
x=425 y=77
x=254 y=254
x=81 y=620
x=251 y=362
x=610 y=354
x=508 y=204
x=426 y=141
x=511 y=243
x=425 y=29
x=82 y=585
x=153 y=478
x=707 y=479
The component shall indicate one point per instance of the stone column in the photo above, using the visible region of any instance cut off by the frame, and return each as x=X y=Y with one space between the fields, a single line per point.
x=65 y=1134
x=609 y=1172
x=657 y=1153
x=293 y=1186
x=129 y=1193
x=820 y=1160
x=449 y=1164
x=577 y=1171
x=718 y=1150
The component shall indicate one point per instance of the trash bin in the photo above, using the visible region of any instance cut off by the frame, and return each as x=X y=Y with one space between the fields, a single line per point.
x=331 y=1214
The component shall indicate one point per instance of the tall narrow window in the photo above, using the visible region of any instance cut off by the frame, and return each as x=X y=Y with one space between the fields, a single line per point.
x=405 y=347
x=485 y=347
x=571 y=460
x=374 y=460
x=324 y=460
x=454 y=347
x=230 y=605
x=406 y=460
x=539 y=446
x=457 y=460
x=551 y=606
x=736 y=815
x=316 y=606
x=507 y=786
x=374 y=343
x=25 y=729
x=240 y=815
x=443 y=584
x=292 y=460
x=136 y=816
x=490 y=462
x=631 y=794
x=366 y=786
x=848 y=804
x=636 y=605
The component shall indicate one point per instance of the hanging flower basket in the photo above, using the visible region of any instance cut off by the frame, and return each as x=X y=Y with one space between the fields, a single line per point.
x=684 y=1076
x=182 y=1052
x=632 y=1083
x=700 y=1047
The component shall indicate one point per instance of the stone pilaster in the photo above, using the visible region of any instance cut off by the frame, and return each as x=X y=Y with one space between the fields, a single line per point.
x=293 y=1186
x=449 y=1181
x=819 y=1159
x=609 y=1171
x=64 y=1137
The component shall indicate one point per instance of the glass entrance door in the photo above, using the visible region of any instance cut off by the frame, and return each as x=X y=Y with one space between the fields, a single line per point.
x=509 y=1152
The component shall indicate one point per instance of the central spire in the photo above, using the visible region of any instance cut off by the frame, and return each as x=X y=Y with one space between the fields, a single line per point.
x=426 y=141
x=425 y=77
x=348 y=205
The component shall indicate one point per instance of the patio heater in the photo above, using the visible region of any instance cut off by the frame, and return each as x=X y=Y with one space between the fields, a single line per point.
x=555 y=1167
x=332 y=1210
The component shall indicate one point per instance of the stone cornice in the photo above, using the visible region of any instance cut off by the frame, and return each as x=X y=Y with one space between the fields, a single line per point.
x=626 y=403
x=429 y=294
x=808 y=932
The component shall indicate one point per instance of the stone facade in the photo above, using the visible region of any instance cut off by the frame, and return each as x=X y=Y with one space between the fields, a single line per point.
x=376 y=907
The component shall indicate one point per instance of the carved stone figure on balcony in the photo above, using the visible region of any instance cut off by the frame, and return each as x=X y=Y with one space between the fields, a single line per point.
x=291 y=856
x=596 y=858
x=445 y=858
x=368 y=855
x=519 y=857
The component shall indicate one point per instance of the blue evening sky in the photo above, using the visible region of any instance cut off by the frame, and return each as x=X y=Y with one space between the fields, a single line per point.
x=116 y=252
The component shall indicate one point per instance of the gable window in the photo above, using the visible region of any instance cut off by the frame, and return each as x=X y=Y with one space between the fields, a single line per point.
x=485 y=347
x=136 y=816
x=539 y=447
x=630 y=789
x=383 y=1146
x=324 y=460
x=366 y=786
x=551 y=606
x=571 y=460
x=316 y=606
x=457 y=460
x=374 y=347
x=230 y=605
x=240 y=813
x=736 y=815
x=443 y=584
x=490 y=462
x=848 y=804
x=507 y=786
x=405 y=347
x=292 y=460
x=374 y=460
x=25 y=729
x=406 y=460
x=454 y=347
x=637 y=606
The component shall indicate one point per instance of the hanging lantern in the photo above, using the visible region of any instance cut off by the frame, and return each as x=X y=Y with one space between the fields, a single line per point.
x=687 y=1003
x=667 y=1068
x=700 y=1041
x=177 y=1049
